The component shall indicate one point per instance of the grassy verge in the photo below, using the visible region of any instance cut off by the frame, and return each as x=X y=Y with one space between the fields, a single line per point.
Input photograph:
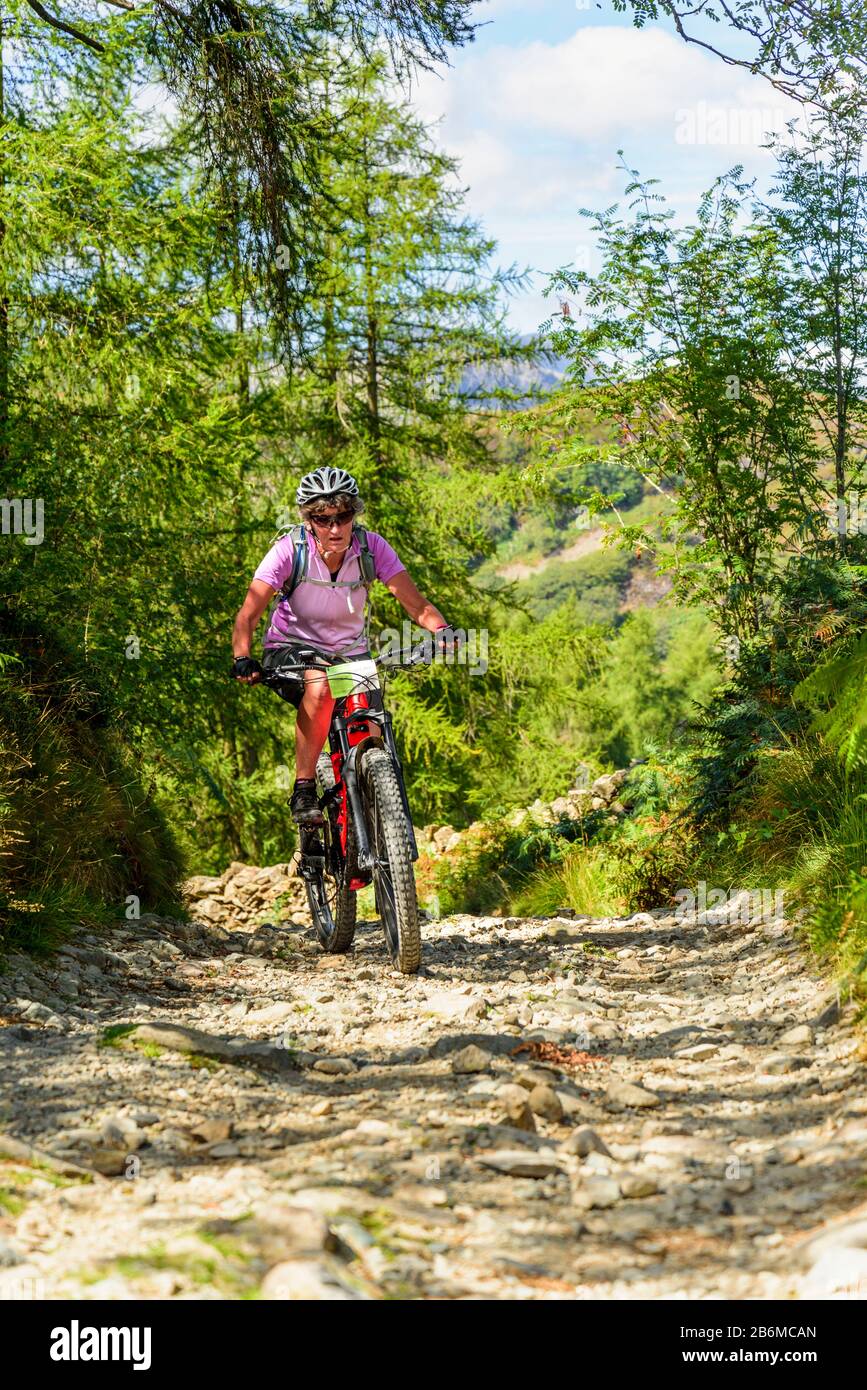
x=79 y=836
x=795 y=838
x=802 y=832
x=599 y=864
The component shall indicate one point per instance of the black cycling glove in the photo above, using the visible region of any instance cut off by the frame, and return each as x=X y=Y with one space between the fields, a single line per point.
x=443 y=640
x=245 y=666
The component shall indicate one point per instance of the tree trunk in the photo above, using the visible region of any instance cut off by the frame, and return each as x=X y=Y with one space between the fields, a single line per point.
x=372 y=336
x=840 y=441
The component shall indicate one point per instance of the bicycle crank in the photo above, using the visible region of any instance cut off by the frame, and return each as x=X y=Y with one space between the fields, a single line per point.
x=312 y=859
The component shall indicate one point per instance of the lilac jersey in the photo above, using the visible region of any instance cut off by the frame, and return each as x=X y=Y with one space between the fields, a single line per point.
x=324 y=614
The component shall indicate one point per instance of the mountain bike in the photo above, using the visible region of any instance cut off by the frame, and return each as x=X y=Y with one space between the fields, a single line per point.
x=366 y=833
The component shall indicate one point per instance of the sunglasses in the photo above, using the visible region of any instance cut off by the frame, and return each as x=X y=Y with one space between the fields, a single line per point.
x=332 y=519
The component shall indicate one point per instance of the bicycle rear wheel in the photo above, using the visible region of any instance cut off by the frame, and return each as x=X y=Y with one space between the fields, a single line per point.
x=333 y=904
x=393 y=876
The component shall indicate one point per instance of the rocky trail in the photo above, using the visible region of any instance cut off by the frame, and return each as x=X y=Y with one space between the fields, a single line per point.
x=656 y=1107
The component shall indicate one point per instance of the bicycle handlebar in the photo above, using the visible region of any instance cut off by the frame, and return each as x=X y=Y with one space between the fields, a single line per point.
x=414 y=657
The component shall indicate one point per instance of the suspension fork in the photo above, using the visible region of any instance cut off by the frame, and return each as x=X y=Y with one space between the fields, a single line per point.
x=348 y=740
x=349 y=749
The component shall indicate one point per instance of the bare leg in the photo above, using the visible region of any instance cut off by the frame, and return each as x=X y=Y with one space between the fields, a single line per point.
x=311 y=726
x=314 y=718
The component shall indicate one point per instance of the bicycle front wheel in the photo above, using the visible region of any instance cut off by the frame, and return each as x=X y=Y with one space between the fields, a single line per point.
x=393 y=876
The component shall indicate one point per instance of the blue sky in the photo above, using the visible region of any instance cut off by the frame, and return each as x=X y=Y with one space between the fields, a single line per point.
x=538 y=106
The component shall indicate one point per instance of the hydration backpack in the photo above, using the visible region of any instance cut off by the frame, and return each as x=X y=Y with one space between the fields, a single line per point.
x=300 y=560
x=301 y=557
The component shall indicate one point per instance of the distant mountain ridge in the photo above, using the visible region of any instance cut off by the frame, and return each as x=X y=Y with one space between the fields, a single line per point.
x=545 y=374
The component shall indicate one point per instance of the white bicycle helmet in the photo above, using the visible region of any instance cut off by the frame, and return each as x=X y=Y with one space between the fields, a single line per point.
x=323 y=483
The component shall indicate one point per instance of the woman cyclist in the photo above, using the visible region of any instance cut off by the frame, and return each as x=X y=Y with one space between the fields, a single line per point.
x=323 y=618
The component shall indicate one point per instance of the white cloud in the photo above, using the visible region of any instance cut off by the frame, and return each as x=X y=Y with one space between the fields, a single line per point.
x=536 y=127
x=511 y=179
x=602 y=82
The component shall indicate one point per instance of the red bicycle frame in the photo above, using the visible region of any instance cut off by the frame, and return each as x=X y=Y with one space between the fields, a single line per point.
x=356 y=733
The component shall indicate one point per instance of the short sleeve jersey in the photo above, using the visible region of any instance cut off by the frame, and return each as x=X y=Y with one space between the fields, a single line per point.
x=324 y=615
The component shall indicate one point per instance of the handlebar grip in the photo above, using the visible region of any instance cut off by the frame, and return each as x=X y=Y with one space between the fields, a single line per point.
x=245 y=666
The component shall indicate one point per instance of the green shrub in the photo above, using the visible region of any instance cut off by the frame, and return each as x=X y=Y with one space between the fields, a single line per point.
x=78 y=834
x=496 y=861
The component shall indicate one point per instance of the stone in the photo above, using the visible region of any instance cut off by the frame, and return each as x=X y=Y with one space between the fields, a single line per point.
x=327 y=1201
x=212 y=1131
x=335 y=1066
x=829 y=1013
x=423 y=1194
x=120 y=1130
x=452 y=1005
x=470 y=1059
x=801 y=1035
x=532 y=1077
x=442 y=836
x=377 y=1130
x=226 y=1149
x=274 y=1013
x=201 y=886
x=9 y=1256
x=674 y=1151
x=304 y=1280
x=596 y=1192
x=268 y=1056
x=109 y=1162
x=638 y=1185
x=544 y=1102
x=517 y=1111
x=740 y=1186
x=510 y=1093
x=583 y=1141
x=33 y=1009
x=597 y=1163
x=574 y=1107
x=519 y=1163
x=697 y=1052
x=840 y=1271
x=780 y=1063
x=625 y=1095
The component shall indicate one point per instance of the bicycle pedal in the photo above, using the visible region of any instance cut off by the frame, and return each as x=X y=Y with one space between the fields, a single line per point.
x=311 y=866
